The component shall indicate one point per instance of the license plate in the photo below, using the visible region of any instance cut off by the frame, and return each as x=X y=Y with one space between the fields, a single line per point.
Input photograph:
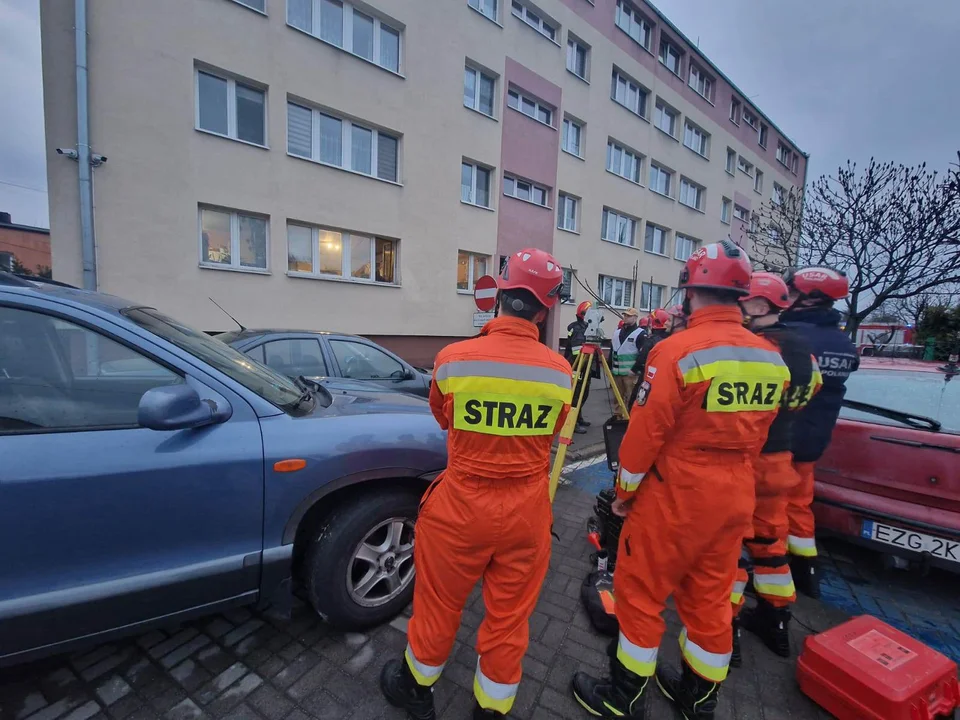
x=910 y=540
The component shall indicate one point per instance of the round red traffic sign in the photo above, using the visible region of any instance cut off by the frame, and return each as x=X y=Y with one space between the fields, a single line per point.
x=485 y=293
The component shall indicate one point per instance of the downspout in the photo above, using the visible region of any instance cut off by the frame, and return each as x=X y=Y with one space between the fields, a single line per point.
x=87 y=243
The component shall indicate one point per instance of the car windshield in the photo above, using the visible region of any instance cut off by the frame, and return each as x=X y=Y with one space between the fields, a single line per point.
x=266 y=383
x=916 y=392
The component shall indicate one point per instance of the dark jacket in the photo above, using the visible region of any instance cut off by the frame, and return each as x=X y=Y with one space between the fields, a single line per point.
x=649 y=342
x=576 y=336
x=797 y=354
x=837 y=356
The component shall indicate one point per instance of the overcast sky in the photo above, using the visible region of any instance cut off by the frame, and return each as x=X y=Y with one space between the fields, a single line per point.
x=843 y=78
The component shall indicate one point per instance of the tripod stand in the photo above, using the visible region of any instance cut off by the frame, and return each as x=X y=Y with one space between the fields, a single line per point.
x=582 y=369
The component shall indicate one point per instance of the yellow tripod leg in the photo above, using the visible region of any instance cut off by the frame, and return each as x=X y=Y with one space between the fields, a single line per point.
x=621 y=401
x=582 y=364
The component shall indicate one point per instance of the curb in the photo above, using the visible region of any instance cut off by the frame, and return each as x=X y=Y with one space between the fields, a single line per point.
x=582 y=453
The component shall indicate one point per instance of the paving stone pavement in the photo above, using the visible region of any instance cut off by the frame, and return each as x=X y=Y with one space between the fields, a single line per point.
x=247 y=666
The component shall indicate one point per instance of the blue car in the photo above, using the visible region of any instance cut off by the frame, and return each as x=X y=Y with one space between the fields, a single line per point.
x=150 y=473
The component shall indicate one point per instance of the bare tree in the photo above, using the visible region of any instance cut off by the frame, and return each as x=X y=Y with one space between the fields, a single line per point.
x=775 y=230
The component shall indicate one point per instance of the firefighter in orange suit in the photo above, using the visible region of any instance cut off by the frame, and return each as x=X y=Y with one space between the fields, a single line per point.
x=502 y=397
x=707 y=399
x=776 y=478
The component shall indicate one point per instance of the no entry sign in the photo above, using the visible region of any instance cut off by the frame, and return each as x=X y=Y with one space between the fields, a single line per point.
x=485 y=293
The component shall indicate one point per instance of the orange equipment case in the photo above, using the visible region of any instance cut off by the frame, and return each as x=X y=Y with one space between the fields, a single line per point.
x=866 y=670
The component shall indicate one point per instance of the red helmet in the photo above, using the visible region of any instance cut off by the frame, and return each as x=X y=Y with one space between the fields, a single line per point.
x=645 y=321
x=583 y=307
x=771 y=288
x=536 y=272
x=658 y=319
x=718 y=266
x=818 y=283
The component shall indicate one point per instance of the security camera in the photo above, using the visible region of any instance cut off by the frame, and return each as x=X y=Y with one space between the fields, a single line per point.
x=98 y=160
x=69 y=152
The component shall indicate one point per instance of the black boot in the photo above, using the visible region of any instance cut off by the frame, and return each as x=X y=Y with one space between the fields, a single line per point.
x=693 y=696
x=620 y=697
x=402 y=691
x=770 y=624
x=806 y=575
x=736 y=658
x=581 y=420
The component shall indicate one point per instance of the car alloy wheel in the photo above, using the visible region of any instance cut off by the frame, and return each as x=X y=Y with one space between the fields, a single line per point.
x=382 y=564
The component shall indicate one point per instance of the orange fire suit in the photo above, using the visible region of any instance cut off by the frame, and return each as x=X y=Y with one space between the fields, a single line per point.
x=502 y=397
x=801 y=539
x=707 y=398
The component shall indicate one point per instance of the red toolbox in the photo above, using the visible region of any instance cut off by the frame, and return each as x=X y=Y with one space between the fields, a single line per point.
x=867 y=670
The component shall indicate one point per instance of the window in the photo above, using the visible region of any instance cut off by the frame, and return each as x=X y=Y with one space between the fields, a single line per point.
x=758 y=181
x=725 y=211
x=656 y=239
x=232 y=240
x=524 y=190
x=470 y=268
x=783 y=154
x=735 y=110
x=629 y=94
x=534 y=20
x=360 y=361
x=479 y=90
x=577 y=57
x=744 y=166
x=566 y=291
x=741 y=213
x=701 y=82
x=330 y=140
x=629 y=19
x=568 y=212
x=779 y=194
x=665 y=118
x=685 y=247
x=573 y=137
x=651 y=296
x=618 y=228
x=258 y=5
x=293 y=357
x=58 y=376
x=731 y=166
x=696 y=139
x=670 y=56
x=691 y=194
x=762 y=135
x=327 y=253
x=754 y=222
x=623 y=162
x=615 y=292
x=661 y=180
x=749 y=118
x=485 y=7
x=342 y=25
x=528 y=106
x=231 y=108
x=474 y=184
x=6 y=261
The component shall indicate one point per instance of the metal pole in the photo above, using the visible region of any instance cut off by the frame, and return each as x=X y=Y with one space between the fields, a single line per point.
x=87 y=244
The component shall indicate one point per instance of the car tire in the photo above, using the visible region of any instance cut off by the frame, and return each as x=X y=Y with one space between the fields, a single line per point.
x=354 y=540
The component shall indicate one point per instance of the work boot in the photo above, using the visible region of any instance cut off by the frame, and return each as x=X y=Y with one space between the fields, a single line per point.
x=402 y=691
x=581 y=420
x=806 y=575
x=736 y=658
x=620 y=697
x=579 y=429
x=770 y=624
x=694 y=696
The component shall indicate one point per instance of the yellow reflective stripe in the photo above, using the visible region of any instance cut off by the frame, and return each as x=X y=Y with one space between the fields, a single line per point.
x=641 y=661
x=505 y=386
x=493 y=695
x=804 y=547
x=706 y=364
x=737 y=595
x=503 y=370
x=774 y=585
x=712 y=666
x=425 y=675
x=505 y=415
x=629 y=481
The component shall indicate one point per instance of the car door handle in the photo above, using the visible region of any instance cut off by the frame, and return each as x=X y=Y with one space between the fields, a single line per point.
x=915 y=443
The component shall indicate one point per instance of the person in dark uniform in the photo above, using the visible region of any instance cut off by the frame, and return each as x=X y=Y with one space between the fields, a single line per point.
x=576 y=337
x=659 y=324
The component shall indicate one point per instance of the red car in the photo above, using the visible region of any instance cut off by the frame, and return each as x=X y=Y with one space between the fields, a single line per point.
x=891 y=476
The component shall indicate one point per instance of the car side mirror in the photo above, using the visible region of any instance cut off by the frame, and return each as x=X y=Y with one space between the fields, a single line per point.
x=408 y=374
x=178 y=407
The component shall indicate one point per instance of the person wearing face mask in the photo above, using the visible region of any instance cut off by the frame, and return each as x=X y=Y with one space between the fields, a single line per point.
x=774 y=475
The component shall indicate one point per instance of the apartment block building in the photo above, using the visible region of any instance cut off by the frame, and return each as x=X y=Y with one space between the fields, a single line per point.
x=297 y=160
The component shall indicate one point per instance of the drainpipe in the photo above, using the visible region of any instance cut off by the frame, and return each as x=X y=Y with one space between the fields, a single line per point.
x=87 y=244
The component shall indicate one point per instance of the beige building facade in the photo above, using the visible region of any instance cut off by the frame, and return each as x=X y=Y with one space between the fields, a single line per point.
x=297 y=160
